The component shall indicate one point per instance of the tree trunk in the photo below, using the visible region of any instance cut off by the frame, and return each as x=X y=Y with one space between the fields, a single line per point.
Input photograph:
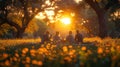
x=101 y=13
x=102 y=23
x=19 y=33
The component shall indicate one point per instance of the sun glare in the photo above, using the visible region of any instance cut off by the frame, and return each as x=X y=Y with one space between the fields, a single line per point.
x=77 y=1
x=40 y=16
x=66 y=20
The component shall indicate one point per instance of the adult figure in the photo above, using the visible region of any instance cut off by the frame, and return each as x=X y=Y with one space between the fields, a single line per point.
x=46 y=37
x=78 y=37
x=70 y=38
x=56 y=37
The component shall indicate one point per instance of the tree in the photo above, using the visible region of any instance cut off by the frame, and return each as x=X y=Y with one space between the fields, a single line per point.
x=19 y=13
x=101 y=8
x=114 y=14
x=101 y=13
x=21 y=10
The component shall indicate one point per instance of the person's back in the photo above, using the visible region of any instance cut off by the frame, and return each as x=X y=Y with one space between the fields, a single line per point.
x=46 y=37
x=70 y=38
x=56 y=38
x=78 y=37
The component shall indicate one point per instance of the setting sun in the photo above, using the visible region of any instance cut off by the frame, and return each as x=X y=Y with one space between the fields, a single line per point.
x=66 y=20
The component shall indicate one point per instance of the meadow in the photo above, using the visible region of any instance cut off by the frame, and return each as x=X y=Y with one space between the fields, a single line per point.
x=94 y=52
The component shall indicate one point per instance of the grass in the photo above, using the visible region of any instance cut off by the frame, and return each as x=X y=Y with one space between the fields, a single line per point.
x=94 y=52
x=14 y=42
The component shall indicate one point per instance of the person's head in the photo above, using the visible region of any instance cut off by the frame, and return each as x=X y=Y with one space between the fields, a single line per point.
x=47 y=32
x=77 y=31
x=57 y=33
x=70 y=32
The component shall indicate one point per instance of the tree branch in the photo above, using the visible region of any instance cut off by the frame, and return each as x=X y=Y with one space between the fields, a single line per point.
x=11 y=23
x=94 y=5
x=111 y=3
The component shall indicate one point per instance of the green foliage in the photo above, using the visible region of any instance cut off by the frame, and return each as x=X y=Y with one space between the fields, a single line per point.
x=42 y=28
x=36 y=28
x=19 y=13
x=114 y=19
x=6 y=31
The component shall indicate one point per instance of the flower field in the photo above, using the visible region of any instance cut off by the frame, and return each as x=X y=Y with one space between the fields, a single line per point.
x=94 y=52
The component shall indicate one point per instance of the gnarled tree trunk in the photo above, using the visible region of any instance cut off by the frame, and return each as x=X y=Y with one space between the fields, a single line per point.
x=101 y=13
x=102 y=23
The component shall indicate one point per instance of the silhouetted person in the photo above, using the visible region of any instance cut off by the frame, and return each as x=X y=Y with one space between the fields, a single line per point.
x=70 y=38
x=57 y=38
x=46 y=37
x=78 y=37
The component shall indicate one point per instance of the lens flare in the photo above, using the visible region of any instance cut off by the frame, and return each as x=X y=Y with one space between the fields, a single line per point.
x=66 y=20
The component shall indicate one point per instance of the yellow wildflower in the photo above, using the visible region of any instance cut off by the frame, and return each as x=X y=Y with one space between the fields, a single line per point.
x=65 y=49
x=99 y=50
x=7 y=63
x=28 y=59
x=83 y=48
x=40 y=63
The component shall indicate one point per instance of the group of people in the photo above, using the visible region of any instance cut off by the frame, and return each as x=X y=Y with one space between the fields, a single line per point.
x=70 y=38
